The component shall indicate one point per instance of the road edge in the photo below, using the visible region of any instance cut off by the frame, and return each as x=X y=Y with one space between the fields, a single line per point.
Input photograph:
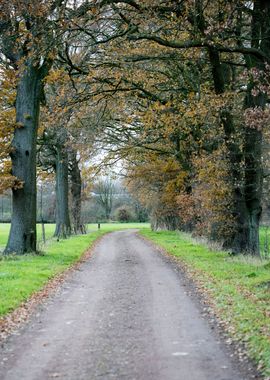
x=205 y=303
x=16 y=319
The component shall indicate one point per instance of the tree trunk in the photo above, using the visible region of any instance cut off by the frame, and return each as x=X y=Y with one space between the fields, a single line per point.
x=246 y=172
x=253 y=179
x=76 y=193
x=22 y=237
x=62 y=228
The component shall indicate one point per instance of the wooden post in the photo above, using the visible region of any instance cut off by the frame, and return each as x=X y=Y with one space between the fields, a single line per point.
x=43 y=232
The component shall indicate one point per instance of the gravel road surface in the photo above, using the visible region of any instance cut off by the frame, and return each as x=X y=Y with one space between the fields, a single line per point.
x=125 y=315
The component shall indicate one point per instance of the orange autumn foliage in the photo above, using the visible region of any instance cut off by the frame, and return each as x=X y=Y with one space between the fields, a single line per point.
x=7 y=125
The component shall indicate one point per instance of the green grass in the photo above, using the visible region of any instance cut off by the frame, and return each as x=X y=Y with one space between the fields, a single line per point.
x=117 y=226
x=4 y=230
x=21 y=276
x=5 y=227
x=49 y=230
x=239 y=288
x=265 y=241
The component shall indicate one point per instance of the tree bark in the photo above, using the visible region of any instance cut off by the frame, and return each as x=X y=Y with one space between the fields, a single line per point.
x=246 y=166
x=253 y=180
x=22 y=237
x=76 y=193
x=246 y=171
x=63 y=227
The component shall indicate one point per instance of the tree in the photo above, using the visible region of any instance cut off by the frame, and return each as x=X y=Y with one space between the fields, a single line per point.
x=176 y=69
x=26 y=35
x=76 y=192
x=30 y=35
x=63 y=227
x=123 y=214
x=239 y=39
x=104 y=190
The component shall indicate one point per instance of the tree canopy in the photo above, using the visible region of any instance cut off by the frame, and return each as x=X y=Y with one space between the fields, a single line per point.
x=178 y=91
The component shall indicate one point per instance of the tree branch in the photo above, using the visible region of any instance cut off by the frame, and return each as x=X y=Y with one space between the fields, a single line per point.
x=201 y=44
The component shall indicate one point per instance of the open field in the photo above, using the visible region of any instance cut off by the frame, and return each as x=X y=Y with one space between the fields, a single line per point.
x=237 y=287
x=4 y=231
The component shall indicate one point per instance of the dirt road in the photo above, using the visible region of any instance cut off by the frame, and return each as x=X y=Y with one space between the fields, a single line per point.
x=124 y=315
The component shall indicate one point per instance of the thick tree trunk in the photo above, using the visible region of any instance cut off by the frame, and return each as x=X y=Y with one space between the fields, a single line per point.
x=22 y=237
x=253 y=180
x=76 y=193
x=62 y=228
x=246 y=170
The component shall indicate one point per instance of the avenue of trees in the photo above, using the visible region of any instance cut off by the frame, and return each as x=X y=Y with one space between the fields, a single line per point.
x=177 y=91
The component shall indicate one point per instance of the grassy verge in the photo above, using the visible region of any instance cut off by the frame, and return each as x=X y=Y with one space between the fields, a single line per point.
x=117 y=226
x=239 y=290
x=49 y=230
x=21 y=276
